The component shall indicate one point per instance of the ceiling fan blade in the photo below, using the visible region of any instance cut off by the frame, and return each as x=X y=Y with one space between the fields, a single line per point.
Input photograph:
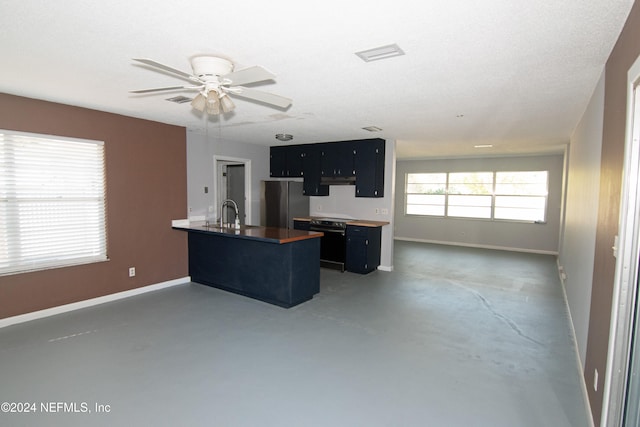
x=249 y=75
x=160 y=89
x=167 y=68
x=258 y=95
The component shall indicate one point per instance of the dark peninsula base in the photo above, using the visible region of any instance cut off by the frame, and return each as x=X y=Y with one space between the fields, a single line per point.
x=281 y=274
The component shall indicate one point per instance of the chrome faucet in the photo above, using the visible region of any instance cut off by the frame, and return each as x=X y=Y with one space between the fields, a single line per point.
x=235 y=208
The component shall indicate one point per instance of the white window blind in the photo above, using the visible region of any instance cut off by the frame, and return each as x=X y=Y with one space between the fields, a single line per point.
x=52 y=202
x=510 y=195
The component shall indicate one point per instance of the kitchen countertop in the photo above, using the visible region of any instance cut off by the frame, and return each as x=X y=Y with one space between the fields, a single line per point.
x=254 y=232
x=360 y=222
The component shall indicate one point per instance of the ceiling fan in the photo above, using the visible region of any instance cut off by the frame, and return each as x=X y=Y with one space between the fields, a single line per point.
x=214 y=79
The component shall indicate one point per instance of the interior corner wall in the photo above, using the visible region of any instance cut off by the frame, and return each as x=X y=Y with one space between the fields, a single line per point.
x=200 y=152
x=342 y=202
x=624 y=54
x=508 y=235
x=145 y=190
x=579 y=238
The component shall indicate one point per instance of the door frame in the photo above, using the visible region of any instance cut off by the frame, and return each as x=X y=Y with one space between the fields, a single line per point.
x=247 y=183
x=627 y=247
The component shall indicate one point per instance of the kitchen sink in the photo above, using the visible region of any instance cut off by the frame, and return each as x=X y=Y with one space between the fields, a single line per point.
x=228 y=227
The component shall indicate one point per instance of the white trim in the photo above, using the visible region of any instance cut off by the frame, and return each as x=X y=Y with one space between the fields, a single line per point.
x=385 y=267
x=626 y=270
x=247 y=183
x=473 y=245
x=90 y=302
x=579 y=365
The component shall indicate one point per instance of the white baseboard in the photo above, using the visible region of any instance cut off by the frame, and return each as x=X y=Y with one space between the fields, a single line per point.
x=583 y=384
x=473 y=245
x=385 y=267
x=90 y=302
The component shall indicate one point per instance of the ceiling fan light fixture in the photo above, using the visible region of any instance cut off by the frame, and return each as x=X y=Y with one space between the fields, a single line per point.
x=226 y=103
x=199 y=102
x=213 y=103
x=214 y=78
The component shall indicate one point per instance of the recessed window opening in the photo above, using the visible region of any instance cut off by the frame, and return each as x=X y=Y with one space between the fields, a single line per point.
x=494 y=195
x=52 y=202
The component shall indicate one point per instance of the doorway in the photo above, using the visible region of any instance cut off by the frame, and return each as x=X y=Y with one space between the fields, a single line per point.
x=621 y=400
x=232 y=181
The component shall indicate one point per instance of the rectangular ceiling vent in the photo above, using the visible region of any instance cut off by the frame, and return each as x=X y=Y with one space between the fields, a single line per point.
x=180 y=99
x=382 y=52
x=372 y=128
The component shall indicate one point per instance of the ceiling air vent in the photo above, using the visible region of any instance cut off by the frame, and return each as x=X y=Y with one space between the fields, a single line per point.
x=180 y=99
x=372 y=128
x=382 y=52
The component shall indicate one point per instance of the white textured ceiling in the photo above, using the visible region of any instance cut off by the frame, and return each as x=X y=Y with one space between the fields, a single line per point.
x=513 y=73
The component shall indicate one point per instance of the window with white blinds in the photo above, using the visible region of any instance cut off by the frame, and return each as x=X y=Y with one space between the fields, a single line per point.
x=509 y=195
x=52 y=202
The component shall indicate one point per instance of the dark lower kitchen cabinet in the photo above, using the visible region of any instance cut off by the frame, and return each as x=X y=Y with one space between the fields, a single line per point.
x=363 y=248
x=369 y=167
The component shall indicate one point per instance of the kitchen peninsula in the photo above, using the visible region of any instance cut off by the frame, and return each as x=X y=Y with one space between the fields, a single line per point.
x=275 y=265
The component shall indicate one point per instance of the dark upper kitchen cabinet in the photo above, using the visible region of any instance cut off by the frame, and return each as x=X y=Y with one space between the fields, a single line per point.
x=369 y=166
x=337 y=159
x=311 y=172
x=363 y=248
x=346 y=162
x=295 y=161
x=286 y=161
x=278 y=162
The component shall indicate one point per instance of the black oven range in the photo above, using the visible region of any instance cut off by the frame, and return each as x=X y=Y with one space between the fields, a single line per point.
x=333 y=245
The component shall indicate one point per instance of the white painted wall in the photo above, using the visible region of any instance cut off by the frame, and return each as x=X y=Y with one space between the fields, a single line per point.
x=200 y=174
x=343 y=203
x=529 y=237
x=581 y=217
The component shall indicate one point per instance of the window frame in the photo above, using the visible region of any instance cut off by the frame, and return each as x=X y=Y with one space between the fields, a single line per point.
x=39 y=204
x=493 y=196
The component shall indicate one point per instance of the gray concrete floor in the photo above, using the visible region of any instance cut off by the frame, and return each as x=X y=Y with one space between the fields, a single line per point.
x=452 y=337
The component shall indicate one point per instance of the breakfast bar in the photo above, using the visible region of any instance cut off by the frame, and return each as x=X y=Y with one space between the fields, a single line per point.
x=275 y=265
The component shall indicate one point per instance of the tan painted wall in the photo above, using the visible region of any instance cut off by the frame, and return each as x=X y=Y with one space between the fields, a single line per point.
x=146 y=188
x=622 y=57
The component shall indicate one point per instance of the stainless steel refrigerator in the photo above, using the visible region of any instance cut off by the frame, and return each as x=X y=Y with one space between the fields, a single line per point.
x=280 y=202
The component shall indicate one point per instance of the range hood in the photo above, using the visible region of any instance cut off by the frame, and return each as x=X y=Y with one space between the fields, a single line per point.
x=338 y=180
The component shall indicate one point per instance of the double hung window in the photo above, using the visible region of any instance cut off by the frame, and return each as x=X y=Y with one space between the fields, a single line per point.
x=52 y=202
x=499 y=195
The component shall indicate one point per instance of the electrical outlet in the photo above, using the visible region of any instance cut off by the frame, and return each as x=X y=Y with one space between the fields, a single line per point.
x=595 y=379
x=377 y=211
x=132 y=271
x=385 y=211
